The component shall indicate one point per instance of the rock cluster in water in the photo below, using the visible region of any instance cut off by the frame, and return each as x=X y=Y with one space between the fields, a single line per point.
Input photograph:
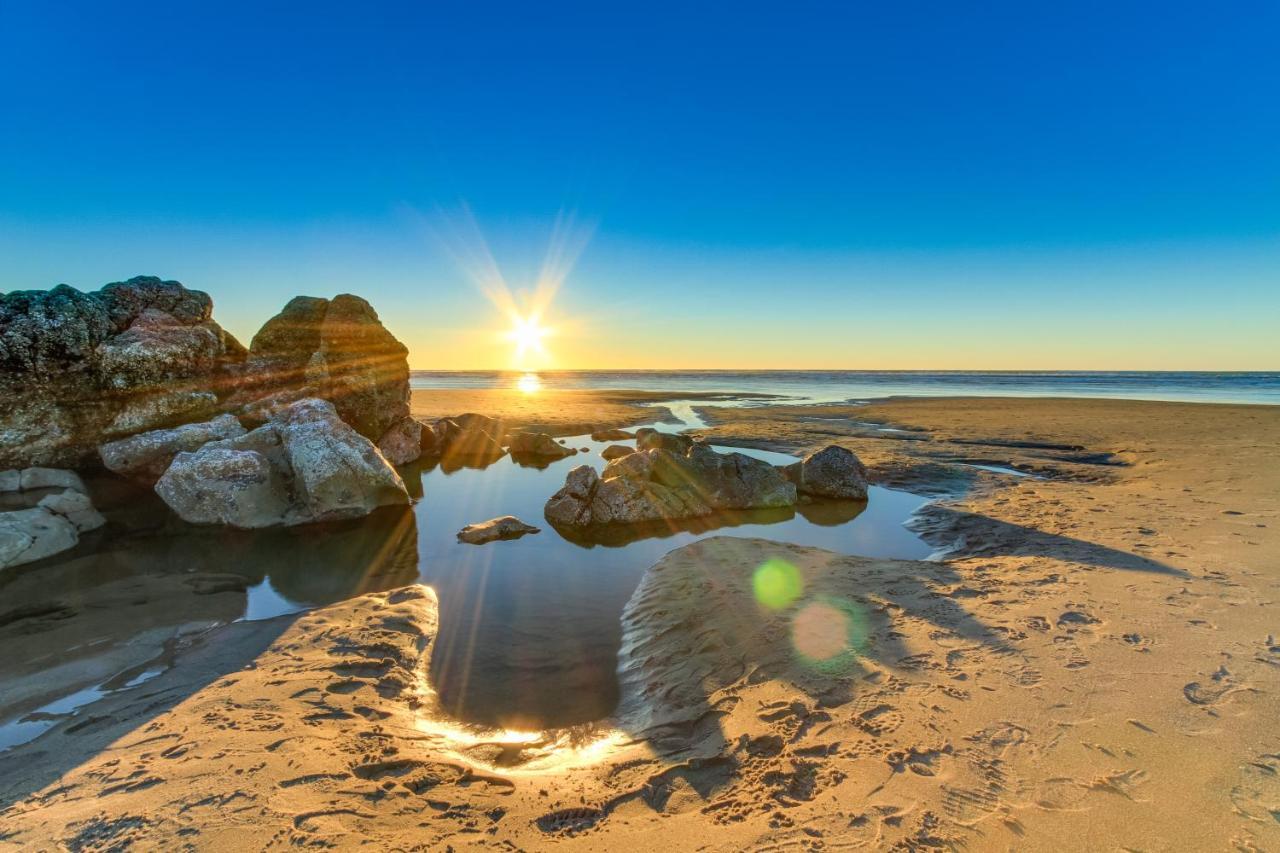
x=669 y=477
x=58 y=510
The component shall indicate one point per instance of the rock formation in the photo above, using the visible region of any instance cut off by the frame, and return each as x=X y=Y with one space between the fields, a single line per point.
x=616 y=451
x=79 y=368
x=657 y=484
x=833 y=472
x=336 y=350
x=307 y=465
x=506 y=527
x=145 y=456
x=58 y=511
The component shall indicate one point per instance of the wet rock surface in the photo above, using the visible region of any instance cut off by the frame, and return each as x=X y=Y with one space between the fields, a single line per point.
x=506 y=527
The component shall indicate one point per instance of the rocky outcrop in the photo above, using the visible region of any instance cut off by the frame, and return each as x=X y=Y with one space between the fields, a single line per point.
x=144 y=457
x=659 y=485
x=77 y=368
x=537 y=445
x=59 y=511
x=337 y=350
x=308 y=465
x=611 y=435
x=616 y=451
x=506 y=527
x=833 y=472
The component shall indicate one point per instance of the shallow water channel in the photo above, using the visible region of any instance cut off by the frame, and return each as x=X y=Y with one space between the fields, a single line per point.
x=529 y=629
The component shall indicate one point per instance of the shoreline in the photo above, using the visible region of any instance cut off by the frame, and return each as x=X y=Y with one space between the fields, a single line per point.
x=1087 y=637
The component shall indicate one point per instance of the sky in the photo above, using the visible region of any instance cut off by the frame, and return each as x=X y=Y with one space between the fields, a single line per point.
x=720 y=185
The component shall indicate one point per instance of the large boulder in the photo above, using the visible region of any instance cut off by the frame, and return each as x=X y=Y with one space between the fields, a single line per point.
x=659 y=485
x=77 y=368
x=334 y=349
x=833 y=472
x=145 y=456
x=308 y=465
x=57 y=510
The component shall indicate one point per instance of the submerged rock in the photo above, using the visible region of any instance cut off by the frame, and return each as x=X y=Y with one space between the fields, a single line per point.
x=833 y=472
x=145 y=457
x=78 y=368
x=506 y=527
x=306 y=466
x=658 y=485
x=537 y=444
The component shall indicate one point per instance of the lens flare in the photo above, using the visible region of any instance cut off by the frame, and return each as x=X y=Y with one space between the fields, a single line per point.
x=777 y=583
x=829 y=634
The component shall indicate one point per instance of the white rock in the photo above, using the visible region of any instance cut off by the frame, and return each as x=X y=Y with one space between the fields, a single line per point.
x=51 y=478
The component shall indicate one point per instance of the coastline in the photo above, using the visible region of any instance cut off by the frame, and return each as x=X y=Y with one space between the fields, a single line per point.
x=1097 y=627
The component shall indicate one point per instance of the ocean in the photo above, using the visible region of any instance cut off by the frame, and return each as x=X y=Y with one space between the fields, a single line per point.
x=832 y=386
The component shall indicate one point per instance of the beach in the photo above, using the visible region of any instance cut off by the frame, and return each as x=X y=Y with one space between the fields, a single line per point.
x=1089 y=660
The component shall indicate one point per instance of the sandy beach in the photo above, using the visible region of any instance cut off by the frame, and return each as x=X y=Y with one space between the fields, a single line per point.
x=1091 y=663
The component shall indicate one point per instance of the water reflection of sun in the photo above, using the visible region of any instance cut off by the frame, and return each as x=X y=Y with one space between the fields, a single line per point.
x=529 y=383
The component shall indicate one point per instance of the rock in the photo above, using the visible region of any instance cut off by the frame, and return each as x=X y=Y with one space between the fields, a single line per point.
x=402 y=443
x=55 y=521
x=76 y=508
x=539 y=445
x=223 y=486
x=145 y=457
x=162 y=410
x=79 y=368
x=648 y=438
x=659 y=485
x=833 y=472
x=611 y=435
x=336 y=350
x=50 y=478
x=27 y=535
x=616 y=451
x=337 y=472
x=468 y=440
x=506 y=527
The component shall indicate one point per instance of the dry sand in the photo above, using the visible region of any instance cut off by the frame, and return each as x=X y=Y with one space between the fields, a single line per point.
x=1094 y=666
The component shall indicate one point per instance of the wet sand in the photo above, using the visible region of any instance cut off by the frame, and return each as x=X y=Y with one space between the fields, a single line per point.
x=1094 y=664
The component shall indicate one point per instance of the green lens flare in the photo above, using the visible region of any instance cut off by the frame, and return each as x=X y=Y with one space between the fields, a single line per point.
x=777 y=583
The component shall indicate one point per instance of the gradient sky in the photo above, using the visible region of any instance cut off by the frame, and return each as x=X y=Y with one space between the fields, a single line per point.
x=888 y=185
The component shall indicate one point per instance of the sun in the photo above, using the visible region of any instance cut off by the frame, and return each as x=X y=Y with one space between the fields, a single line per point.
x=528 y=334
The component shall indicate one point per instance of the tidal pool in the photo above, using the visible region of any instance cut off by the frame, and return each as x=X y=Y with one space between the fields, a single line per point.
x=529 y=629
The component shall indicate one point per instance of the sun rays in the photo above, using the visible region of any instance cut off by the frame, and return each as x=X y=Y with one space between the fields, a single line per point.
x=525 y=308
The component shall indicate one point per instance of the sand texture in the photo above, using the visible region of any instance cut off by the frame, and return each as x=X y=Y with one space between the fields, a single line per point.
x=1093 y=665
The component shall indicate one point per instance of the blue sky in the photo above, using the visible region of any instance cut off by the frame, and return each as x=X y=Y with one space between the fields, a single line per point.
x=797 y=185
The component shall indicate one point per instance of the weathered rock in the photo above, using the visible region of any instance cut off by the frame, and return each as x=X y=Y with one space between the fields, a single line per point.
x=468 y=440
x=506 y=527
x=611 y=435
x=337 y=472
x=616 y=451
x=223 y=486
x=145 y=457
x=307 y=466
x=75 y=507
x=833 y=472
x=648 y=438
x=336 y=350
x=27 y=535
x=52 y=523
x=658 y=485
x=402 y=443
x=77 y=368
x=538 y=445
x=50 y=478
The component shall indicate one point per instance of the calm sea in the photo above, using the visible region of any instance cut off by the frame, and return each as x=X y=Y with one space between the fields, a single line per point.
x=823 y=386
